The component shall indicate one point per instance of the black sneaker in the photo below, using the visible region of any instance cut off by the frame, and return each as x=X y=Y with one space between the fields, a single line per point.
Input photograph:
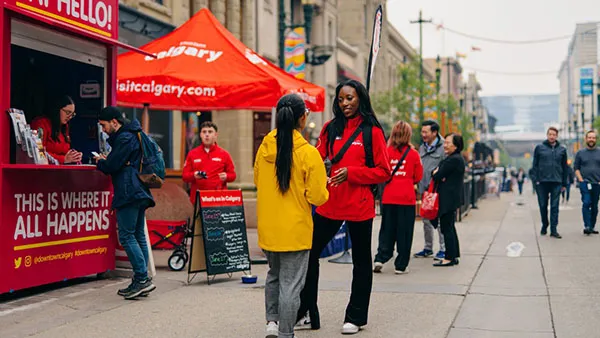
x=556 y=235
x=140 y=287
x=587 y=231
x=543 y=232
x=123 y=292
x=595 y=232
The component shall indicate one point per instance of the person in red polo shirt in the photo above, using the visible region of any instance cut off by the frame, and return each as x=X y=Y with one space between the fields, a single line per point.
x=399 y=200
x=208 y=166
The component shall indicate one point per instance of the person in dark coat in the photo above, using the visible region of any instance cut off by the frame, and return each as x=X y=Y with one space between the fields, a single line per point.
x=449 y=180
x=131 y=197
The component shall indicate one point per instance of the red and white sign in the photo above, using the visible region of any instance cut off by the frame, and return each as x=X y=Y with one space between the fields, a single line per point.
x=53 y=232
x=95 y=16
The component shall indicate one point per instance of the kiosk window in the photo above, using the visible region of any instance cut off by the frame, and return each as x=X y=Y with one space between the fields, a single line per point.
x=46 y=65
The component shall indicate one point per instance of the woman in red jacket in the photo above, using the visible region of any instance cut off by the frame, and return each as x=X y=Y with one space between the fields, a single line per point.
x=399 y=200
x=55 y=126
x=350 y=199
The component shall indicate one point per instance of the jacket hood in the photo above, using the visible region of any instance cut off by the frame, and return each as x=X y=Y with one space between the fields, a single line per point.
x=134 y=126
x=269 y=151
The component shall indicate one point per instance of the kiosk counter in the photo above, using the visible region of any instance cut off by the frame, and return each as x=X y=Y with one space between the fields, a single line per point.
x=56 y=221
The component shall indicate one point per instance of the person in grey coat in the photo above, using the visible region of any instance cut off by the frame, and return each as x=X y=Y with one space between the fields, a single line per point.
x=432 y=153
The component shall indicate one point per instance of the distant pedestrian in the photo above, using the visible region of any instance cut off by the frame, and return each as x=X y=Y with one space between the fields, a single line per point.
x=289 y=176
x=587 y=170
x=432 y=153
x=449 y=177
x=399 y=200
x=566 y=194
x=521 y=176
x=550 y=172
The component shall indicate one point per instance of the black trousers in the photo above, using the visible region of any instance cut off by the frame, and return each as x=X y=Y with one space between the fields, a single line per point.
x=450 y=237
x=362 y=273
x=397 y=226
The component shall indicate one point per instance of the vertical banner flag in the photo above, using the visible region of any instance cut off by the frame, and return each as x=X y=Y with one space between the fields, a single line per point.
x=375 y=43
x=294 y=53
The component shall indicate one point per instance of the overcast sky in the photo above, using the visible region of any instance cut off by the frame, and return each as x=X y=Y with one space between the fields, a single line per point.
x=503 y=20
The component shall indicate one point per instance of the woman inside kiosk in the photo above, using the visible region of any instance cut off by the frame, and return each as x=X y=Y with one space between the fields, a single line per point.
x=55 y=126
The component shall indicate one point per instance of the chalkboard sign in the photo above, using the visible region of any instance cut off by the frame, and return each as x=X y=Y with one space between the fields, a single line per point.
x=224 y=231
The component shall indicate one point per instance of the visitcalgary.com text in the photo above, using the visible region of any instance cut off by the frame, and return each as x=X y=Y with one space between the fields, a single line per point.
x=159 y=89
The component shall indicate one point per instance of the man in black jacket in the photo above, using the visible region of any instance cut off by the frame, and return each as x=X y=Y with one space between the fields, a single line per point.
x=550 y=173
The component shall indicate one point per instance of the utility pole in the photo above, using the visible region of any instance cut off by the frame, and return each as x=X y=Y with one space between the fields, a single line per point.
x=421 y=82
x=282 y=27
x=449 y=86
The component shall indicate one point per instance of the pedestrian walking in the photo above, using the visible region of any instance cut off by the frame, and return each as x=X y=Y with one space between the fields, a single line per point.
x=566 y=194
x=449 y=178
x=131 y=196
x=399 y=200
x=550 y=172
x=587 y=170
x=521 y=176
x=290 y=177
x=355 y=145
x=432 y=153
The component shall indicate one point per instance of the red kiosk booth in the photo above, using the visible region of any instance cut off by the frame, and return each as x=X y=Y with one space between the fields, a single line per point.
x=55 y=221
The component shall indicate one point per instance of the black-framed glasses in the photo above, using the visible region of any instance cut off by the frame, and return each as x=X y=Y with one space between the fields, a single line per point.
x=68 y=112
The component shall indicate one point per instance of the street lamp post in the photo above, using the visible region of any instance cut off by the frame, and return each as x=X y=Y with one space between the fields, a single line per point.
x=420 y=21
x=308 y=6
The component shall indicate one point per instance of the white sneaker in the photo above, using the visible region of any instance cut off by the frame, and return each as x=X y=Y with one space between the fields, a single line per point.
x=378 y=267
x=272 y=330
x=350 y=328
x=303 y=323
x=402 y=272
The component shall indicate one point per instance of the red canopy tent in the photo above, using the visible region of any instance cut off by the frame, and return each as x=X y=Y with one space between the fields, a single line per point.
x=202 y=66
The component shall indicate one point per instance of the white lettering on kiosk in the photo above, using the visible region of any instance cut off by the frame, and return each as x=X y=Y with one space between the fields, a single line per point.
x=69 y=219
x=95 y=12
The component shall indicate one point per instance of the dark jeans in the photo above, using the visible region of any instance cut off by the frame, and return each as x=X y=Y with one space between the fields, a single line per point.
x=362 y=273
x=567 y=193
x=131 y=221
x=520 y=184
x=450 y=236
x=589 y=207
x=397 y=226
x=552 y=190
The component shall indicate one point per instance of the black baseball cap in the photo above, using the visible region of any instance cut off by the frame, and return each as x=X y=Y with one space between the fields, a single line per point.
x=109 y=113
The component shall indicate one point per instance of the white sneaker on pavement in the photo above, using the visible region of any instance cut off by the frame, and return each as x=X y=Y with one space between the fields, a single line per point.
x=303 y=323
x=402 y=272
x=272 y=330
x=350 y=328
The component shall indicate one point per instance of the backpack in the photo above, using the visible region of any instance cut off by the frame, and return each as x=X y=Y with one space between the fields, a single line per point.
x=152 y=163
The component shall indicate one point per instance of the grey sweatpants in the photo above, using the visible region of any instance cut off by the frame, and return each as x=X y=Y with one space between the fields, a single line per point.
x=428 y=230
x=285 y=280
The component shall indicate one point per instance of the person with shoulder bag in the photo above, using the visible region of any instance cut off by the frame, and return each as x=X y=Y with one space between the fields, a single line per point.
x=399 y=200
x=351 y=199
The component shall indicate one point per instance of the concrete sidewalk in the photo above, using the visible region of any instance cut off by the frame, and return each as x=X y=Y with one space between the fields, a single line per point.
x=548 y=291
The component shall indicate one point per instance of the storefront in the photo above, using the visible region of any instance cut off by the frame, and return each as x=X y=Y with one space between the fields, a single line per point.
x=56 y=223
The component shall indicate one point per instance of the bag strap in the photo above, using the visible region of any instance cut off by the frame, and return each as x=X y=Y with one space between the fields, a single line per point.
x=139 y=135
x=368 y=145
x=346 y=145
x=399 y=163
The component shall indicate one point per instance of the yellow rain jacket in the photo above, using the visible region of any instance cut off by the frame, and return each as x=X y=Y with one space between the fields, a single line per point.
x=285 y=221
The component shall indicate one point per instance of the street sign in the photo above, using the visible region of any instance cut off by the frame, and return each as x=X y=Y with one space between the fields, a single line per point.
x=586 y=81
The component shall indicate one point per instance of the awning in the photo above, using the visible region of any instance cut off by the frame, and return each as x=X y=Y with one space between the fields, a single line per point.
x=203 y=66
x=59 y=24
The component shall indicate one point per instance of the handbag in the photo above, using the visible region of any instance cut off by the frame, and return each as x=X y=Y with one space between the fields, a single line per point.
x=430 y=202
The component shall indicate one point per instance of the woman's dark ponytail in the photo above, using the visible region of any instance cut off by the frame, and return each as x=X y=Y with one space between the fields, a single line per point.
x=290 y=109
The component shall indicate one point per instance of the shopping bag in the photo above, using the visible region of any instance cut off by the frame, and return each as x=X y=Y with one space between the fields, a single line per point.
x=430 y=203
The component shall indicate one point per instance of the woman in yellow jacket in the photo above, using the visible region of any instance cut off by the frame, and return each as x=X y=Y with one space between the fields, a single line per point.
x=289 y=176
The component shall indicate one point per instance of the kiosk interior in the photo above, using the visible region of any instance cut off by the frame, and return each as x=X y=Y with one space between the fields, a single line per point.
x=56 y=222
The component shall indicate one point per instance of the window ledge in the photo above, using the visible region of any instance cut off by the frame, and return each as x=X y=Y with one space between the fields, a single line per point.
x=156 y=7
